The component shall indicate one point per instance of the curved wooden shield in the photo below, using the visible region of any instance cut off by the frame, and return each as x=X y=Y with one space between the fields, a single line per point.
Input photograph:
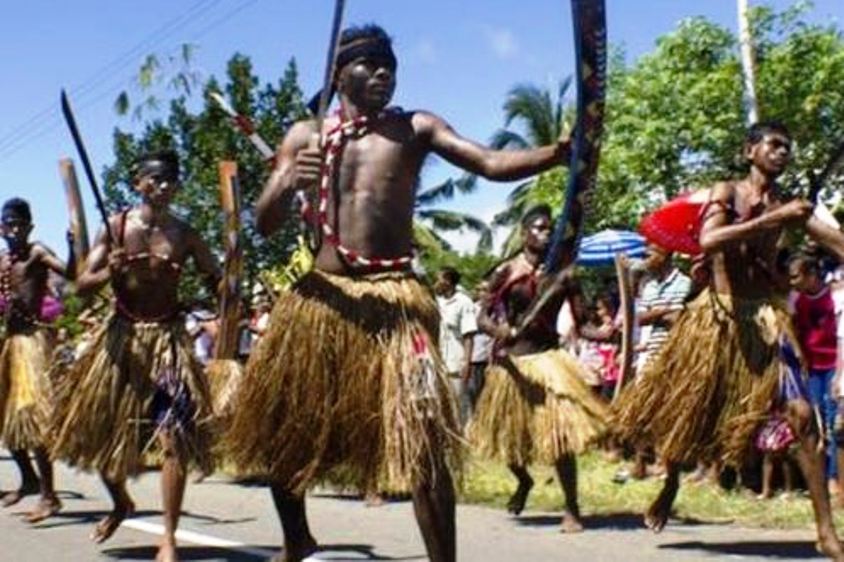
x=625 y=291
x=230 y=298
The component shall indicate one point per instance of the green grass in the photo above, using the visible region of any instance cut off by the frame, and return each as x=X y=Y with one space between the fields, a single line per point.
x=491 y=484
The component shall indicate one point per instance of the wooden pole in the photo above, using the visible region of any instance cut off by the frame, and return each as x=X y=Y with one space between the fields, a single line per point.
x=230 y=299
x=748 y=66
x=76 y=211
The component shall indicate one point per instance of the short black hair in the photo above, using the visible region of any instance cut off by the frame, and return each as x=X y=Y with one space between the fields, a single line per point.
x=19 y=207
x=540 y=210
x=757 y=131
x=169 y=157
x=451 y=275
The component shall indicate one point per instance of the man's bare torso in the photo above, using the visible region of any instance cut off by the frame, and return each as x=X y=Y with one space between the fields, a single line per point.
x=148 y=285
x=748 y=269
x=28 y=284
x=376 y=183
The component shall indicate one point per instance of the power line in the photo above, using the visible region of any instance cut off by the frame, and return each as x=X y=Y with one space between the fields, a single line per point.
x=46 y=119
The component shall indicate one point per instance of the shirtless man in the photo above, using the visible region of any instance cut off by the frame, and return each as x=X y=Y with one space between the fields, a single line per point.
x=140 y=366
x=347 y=375
x=536 y=405
x=703 y=398
x=25 y=393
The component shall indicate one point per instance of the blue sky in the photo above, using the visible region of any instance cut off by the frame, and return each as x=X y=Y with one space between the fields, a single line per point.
x=458 y=58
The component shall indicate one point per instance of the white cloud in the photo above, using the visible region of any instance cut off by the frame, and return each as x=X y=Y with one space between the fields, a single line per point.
x=502 y=41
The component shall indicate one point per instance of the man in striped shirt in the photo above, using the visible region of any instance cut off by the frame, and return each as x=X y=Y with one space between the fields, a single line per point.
x=662 y=298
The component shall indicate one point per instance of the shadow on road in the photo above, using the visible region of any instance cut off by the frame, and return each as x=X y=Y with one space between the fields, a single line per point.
x=772 y=549
x=209 y=553
x=604 y=521
x=68 y=518
x=206 y=553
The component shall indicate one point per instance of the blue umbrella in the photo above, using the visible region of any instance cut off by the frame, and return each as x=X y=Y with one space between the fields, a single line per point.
x=601 y=248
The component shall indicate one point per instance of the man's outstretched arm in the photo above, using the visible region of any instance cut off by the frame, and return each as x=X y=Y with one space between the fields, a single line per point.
x=497 y=165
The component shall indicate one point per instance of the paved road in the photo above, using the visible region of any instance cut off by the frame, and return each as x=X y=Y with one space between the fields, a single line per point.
x=231 y=522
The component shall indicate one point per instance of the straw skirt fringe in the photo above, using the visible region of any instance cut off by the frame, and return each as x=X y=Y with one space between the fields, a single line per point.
x=346 y=386
x=536 y=408
x=26 y=399
x=707 y=391
x=134 y=382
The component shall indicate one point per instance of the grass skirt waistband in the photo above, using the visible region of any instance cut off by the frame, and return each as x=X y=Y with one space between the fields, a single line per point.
x=134 y=382
x=346 y=385
x=536 y=408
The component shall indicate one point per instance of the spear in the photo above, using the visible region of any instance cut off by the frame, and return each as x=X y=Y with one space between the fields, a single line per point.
x=245 y=126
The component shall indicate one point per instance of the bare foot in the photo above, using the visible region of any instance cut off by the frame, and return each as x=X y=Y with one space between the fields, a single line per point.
x=373 y=499
x=109 y=524
x=47 y=507
x=291 y=554
x=657 y=515
x=167 y=553
x=571 y=524
x=11 y=498
x=519 y=498
x=831 y=548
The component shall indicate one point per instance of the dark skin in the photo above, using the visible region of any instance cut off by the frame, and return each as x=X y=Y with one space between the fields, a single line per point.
x=378 y=174
x=375 y=196
x=30 y=270
x=148 y=289
x=531 y=339
x=743 y=256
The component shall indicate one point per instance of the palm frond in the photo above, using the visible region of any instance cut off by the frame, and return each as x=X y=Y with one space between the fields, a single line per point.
x=559 y=110
x=504 y=138
x=452 y=220
x=445 y=190
x=427 y=241
x=485 y=242
x=533 y=107
x=467 y=183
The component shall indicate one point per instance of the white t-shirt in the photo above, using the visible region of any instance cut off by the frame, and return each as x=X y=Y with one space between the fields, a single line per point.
x=457 y=319
x=481 y=342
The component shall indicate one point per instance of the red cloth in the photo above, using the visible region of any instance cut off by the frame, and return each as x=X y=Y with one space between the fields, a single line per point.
x=675 y=225
x=814 y=318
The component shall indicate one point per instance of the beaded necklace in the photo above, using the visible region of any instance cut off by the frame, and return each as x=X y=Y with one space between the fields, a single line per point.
x=10 y=310
x=333 y=145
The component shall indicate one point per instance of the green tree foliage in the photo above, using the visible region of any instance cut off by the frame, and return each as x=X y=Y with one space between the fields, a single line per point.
x=203 y=137
x=675 y=119
x=431 y=221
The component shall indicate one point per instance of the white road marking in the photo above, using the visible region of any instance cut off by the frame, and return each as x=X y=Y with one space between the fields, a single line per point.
x=196 y=538
x=207 y=540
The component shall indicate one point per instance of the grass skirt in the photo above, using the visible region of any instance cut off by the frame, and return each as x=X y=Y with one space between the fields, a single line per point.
x=25 y=390
x=224 y=379
x=536 y=408
x=346 y=386
x=135 y=381
x=708 y=390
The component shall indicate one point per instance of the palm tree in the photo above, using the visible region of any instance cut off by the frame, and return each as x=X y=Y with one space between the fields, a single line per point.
x=441 y=220
x=542 y=118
